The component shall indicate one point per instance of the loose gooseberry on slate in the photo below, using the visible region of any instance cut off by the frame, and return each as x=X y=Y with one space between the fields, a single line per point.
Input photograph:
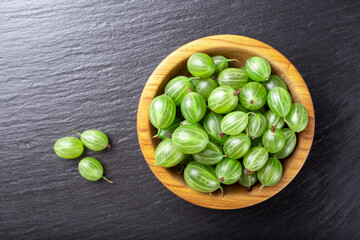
x=193 y=107
x=91 y=169
x=290 y=143
x=233 y=77
x=253 y=96
x=205 y=86
x=201 y=178
x=166 y=155
x=68 y=147
x=258 y=69
x=223 y=99
x=167 y=132
x=162 y=111
x=274 y=81
x=211 y=155
x=228 y=171
x=237 y=146
x=257 y=125
x=201 y=65
x=270 y=173
x=273 y=140
x=247 y=180
x=234 y=123
x=93 y=139
x=186 y=122
x=190 y=139
x=255 y=159
x=274 y=120
x=221 y=63
x=212 y=126
x=177 y=88
x=297 y=119
x=279 y=101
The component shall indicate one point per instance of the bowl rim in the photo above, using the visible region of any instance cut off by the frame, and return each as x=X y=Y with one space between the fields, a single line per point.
x=275 y=58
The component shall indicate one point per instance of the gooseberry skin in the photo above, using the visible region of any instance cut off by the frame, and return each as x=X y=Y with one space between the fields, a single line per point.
x=177 y=88
x=201 y=178
x=211 y=155
x=253 y=96
x=166 y=155
x=190 y=139
x=239 y=107
x=273 y=140
x=223 y=100
x=298 y=118
x=247 y=180
x=233 y=77
x=193 y=107
x=270 y=173
x=167 y=132
x=186 y=122
x=279 y=101
x=228 y=171
x=68 y=147
x=274 y=81
x=234 y=123
x=205 y=86
x=255 y=158
x=237 y=146
x=257 y=125
x=274 y=120
x=258 y=69
x=91 y=169
x=212 y=126
x=95 y=140
x=162 y=111
x=221 y=63
x=201 y=65
x=290 y=143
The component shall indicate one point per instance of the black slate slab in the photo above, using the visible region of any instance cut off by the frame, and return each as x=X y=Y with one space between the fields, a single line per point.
x=82 y=64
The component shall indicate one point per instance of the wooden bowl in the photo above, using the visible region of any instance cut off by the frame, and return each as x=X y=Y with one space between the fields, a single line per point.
x=241 y=48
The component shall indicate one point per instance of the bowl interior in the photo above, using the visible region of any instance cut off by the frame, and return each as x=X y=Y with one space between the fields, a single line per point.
x=175 y=65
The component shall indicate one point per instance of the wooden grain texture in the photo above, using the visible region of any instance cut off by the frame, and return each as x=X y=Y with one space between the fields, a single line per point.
x=233 y=47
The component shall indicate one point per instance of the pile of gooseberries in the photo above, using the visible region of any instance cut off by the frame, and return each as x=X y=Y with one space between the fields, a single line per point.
x=72 y=147
x=226 y=125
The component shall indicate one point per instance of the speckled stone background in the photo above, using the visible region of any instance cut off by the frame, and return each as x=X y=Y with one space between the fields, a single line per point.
x=82 y=64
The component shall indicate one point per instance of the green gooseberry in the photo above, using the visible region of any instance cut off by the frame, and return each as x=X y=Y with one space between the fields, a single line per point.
x=212 y=126
x=167 y=132
x=239 y=107
x=228 y=171
x=273 y=140
x=177 y=88
x=205 y=86
x=223 y=99
x=233 y=77
x=258 y=69
x=234 y=123
x=255 y=159
x=162 y=111
x=290 y=143
x=212 y=154
x=68 y=147
x=186 y=122
x=193 y=107
x=93 y=139
x=274 y=120
x=247 y=180
x=201 y=65
x=166 y=155
x=274 y=81
x=279 y=101
x=257 y=125
x=91 y=169
x=253 y=96
x=237 y=146
x=270 y=173
x=298 y=118
x=221 y=63
x=190 y=139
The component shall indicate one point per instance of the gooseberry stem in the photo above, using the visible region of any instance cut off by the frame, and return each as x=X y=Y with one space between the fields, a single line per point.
x=221 y=134
x=222 y=191
x=222 y=179
x=189 y=90
x=108 y=146
x=232 y=60
x=237 y=92
x=273 y=129
x=107 y=179
x=261 y=187
x=76 y=133
x=248 y=173
x=252 y=113
x=155 y=136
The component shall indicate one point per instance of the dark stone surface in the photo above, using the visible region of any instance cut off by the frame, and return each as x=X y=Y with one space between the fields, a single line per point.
x=82 y=64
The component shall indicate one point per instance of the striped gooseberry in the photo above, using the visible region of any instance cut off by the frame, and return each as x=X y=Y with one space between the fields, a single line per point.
x=270 y=173
x=290 y=143
x=212 y=126
x=93 y=139
x=193 y=107
x=205 y=86
x=297 y=119
x=212 y=154
x=68 y=147
x=253 y=96
x=236 y=146
x=255 y=159
x=166 y=155
x=257 y=125
x=162 y=111
x=201 y=65
x=223 y=99
x=234 y=123
x=221 y=63
x=190 y=139
x=233 y=77
x=228 y=171
x=91 y=169
x=177 y=88
x=274 y=120
x=258 y=69
x=274 y=81
x=279 y=101
x=273 y=140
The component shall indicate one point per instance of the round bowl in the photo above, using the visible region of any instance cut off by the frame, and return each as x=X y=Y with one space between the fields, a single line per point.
x=241 y=48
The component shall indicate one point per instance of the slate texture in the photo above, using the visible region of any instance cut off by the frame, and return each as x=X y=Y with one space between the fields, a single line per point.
x=82 y=64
